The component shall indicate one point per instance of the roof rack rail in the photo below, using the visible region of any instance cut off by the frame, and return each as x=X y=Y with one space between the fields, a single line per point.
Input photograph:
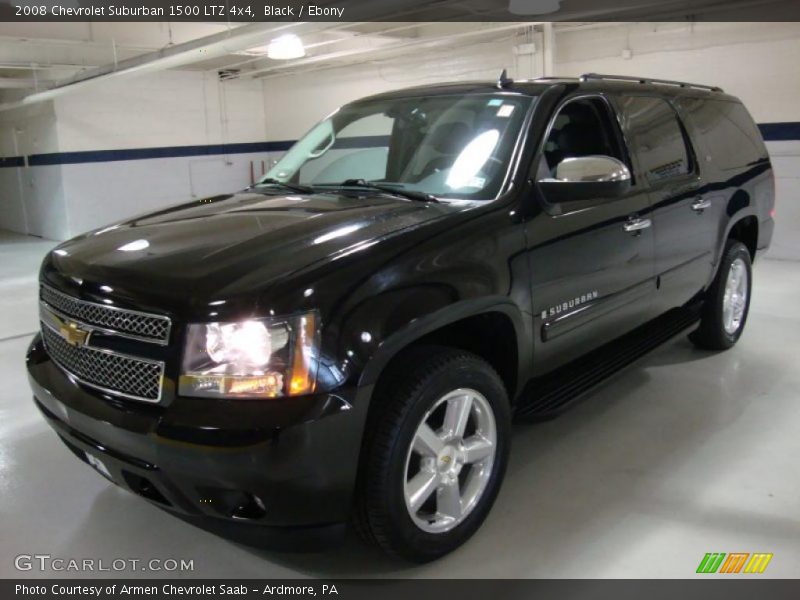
x=647 y=80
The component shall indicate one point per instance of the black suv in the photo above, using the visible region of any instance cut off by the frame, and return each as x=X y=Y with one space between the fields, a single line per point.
x=349 y=339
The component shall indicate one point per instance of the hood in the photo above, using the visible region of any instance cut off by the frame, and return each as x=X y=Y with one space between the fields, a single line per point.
x=229 y=245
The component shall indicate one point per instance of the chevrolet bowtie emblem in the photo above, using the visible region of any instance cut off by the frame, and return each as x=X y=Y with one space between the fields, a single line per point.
x=74 y=335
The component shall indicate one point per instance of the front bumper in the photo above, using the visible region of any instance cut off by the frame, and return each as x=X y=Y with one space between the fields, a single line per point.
x=286 y=462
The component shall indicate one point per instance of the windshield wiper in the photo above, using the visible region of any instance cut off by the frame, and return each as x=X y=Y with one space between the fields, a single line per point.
x=389 y=189
x=292 y=187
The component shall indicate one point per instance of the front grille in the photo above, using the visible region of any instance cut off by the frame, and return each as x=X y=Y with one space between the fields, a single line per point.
x=108 y=371
x=124 y=322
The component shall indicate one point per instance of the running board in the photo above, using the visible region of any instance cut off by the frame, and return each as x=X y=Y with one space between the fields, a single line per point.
x=549 y=395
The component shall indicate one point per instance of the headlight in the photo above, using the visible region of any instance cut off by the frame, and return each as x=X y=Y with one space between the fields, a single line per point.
x=258 y=358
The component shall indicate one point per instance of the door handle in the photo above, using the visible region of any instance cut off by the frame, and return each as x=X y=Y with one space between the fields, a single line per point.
x=700 y=204
x=635 y=225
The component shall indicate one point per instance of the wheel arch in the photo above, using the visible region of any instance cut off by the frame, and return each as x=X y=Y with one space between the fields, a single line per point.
x=745 y=229
x=480 y=326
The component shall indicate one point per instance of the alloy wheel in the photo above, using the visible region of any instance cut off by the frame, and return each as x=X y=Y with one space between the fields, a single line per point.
x=734 y=301
x=450 y=460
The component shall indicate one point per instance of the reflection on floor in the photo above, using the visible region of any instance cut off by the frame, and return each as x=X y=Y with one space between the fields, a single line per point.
x=686 y=453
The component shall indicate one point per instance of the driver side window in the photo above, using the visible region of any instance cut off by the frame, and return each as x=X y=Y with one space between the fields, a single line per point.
x=583 y=127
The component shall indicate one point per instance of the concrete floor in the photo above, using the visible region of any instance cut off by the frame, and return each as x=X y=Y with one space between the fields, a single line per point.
x=687 y=453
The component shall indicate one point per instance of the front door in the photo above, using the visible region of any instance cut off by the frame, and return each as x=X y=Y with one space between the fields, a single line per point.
x=591 y=264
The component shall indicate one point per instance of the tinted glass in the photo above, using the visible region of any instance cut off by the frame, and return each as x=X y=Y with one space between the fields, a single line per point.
x=448 y=146
x=657 y=135
x=582 y=127
x=728 y=132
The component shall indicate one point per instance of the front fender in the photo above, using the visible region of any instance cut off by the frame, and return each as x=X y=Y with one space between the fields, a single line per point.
x=386 y=347
x=375 y=301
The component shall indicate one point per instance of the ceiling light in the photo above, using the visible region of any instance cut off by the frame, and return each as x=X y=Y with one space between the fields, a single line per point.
x=533 y=7
x=286 y=47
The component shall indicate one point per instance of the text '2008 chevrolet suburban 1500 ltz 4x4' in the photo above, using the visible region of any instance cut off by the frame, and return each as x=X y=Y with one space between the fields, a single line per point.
x=348 y=340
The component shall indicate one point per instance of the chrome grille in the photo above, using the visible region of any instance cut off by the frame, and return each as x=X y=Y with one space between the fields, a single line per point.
x=129 y=323
x=105 y=370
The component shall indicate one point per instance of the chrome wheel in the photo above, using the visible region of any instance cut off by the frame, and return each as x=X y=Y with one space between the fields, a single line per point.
x=735 y=300
x=450 y=460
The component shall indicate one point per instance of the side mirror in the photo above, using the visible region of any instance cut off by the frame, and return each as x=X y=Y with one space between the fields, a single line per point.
x=587 y=178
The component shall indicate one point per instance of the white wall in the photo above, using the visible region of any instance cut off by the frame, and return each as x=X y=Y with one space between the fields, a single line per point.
x=31 y=198
x=786 y=161
x=172 y=108
x=756 y=61
x=295 y=102
x=167 y=109
x=184 y=108
x=102 y=193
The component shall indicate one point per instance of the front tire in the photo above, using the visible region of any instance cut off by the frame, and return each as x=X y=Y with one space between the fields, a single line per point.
x=435 y=454
x=727 y=301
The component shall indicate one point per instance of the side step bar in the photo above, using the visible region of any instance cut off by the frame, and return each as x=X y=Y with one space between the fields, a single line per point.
x=549 y=395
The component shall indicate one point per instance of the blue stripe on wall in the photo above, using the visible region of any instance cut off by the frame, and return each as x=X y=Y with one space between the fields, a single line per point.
x=12 y=161
x=93 y=156
x=772 y=132
x=780 y=132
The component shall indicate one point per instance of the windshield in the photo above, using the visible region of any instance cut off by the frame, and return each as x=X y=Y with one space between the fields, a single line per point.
x=447 y=146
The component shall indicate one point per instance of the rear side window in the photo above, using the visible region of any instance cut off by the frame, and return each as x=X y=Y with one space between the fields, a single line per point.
x=728 y=132
x=658 y=136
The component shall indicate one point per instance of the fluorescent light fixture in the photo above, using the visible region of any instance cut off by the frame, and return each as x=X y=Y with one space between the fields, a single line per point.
x=286 y=47
x=533 y=7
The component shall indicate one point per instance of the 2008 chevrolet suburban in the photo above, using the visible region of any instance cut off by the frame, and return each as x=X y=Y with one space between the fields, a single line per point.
x=348 y=339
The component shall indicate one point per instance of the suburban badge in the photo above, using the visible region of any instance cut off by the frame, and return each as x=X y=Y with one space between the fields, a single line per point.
x=570 y=304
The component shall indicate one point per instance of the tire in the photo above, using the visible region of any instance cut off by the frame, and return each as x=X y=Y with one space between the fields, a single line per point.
x=402 y=464
x=727 y=303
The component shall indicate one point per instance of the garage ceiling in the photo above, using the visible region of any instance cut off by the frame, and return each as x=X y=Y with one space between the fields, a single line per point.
x=36 y=57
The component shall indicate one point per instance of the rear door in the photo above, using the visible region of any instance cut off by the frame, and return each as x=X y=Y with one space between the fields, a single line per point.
x=592 y=273
x=684 y=212
x=734 y=162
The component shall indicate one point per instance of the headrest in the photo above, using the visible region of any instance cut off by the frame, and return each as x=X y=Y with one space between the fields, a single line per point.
x=575 y=139
x=450 y=138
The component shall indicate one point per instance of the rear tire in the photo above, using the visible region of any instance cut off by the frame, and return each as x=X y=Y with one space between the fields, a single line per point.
x=727 y=301
x=435 y=453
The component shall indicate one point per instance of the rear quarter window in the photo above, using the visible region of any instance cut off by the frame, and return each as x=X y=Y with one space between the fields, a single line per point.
x=727 y=131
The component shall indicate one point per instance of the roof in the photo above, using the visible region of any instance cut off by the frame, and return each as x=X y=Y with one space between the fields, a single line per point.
x=535 y=87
